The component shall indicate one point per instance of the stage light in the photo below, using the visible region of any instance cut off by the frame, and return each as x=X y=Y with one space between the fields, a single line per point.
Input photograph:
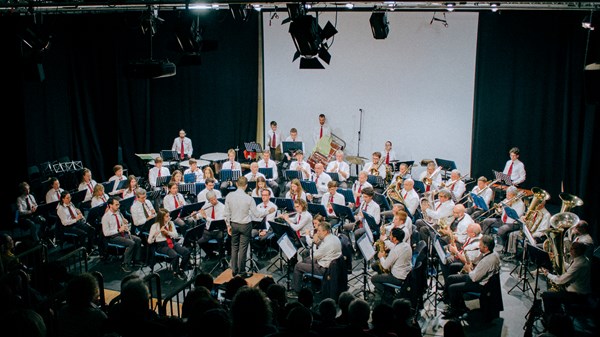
x=450 y=6
x=310 y=41
x=494 y=6
x=379 y=25
x=240 y=12
x=294 y=11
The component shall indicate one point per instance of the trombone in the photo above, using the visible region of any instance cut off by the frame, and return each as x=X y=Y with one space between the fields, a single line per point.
x=468 y=195
x=495 y=209
x=428 y=180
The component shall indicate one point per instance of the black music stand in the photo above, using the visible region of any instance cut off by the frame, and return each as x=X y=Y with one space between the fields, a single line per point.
x=192 y=236
x=344 y=213
x=123 y=183
x=175 y=213
x=77 y=197
x=317 y=209
x=230 y=175
x=162 y=181
x=267 y=172
x=126 y=204
x=291 y=147
x=408 y=163
x=503 y=178
x=540 y=259
x=200 y=187
x=257 y=200
x=523 y=268
x=284 y=204
x=189 y=178
x=220 y=225
x=381 y=200
x=188 y=209
x=447 y=165
x=419 y=186
x=151 y=195
x=95 y=214
x=293 y=174
x=287 y=247
x=376 y=181
x=251 y=186
x=309 y=186
x=348 y=195
x=188 y=189
x=280 y=230
x=169 y=155
x=108 y=186
x=372 y=224
x=334 y=176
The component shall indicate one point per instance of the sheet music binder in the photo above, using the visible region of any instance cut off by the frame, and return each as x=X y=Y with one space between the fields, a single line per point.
x=253 y=147
x=123 y=184
x=126 y=204
x=375 y=180
x=162 y=181
x=309 y=186
x=189 y=188
x=479 y=202
x=447 y=165
x=504 y=178
x=291 y=146
x=190 y=208
x=287 y=246
x=334 y=176
x=266 y=171
x=348 y=195
x=217 y=225
x=317 y=209
x=293 y=174
x=284 y=229
x=284 y=204
x=169 y=155
x=108 y=186
x=200 y=187
x=366 y=247
x=381 y=200
x=189 y=178
x=419 y=186
x=230 y=175
x=343 y=212
x=511 y=213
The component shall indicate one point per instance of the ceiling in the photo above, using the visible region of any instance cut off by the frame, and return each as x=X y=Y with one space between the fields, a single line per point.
x=84 y=6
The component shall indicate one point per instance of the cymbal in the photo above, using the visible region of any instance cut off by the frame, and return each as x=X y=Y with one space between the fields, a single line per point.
x=357 y=160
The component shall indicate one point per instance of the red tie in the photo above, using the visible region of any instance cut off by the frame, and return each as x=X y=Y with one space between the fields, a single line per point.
x=387 y=158
x=176 y=203
x=89 y=185
x=103 y=199
x=404 y=196
x=118 y=224
x=58 y=195
x=316 y=180
x=438 y=206
x=504 y=217
x=428 y=188
x=321 y=134
x=360 y=224
x=465 y=244
x=73 y=216
x=182 y=155
x=170 y=241
x=293 y=197
x=273 y=141
x=510 y=169
x=298 y=231
x=452 y=188
x=331 y=202
x=358 y=197
x=267 y=164
x=212 y=215
x=159 y=170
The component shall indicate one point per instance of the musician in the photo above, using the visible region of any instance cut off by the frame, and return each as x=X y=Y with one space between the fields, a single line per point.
x=322 y=130
x=398 y=262
x=174 y=200
x=266 y=204
x=577 y=280
x=332 y=197
x=55 y=190
x=301 y=165
x=195 y=170
x=117 y=178
x=459 y=226
x=328 y=247
x=183 y=146
x=455 y=184
x=486 y=264
x=230 y=164
x=302 y=221
x=410 y=196
x=27 y=207
x=340 y=167
x=359 y=185
x=87 y=183
x=515 y=168
x=130 y=187
x=73 y=221
x=141 y=209
x=209 y=186
x=403 y=172
x=482 y=189
x=389 y=155
x=461 y=254
x=441 y=210
x=99 y=197
x=504 y=223
x=375 y=167
x=261 y=184
x=296 y=191
x=400 y=220
x=115 y=229
x=165 y=236
x=254 y=174
x=321 y=180
x=436 y=179
x=266 y=162
x=211 y=210
x=538 y=226
x=157 y=171
x=176 y=177
x=368 y=206
x=580 y=233
x=209 y=173
x=293 y=137
x=274 y=141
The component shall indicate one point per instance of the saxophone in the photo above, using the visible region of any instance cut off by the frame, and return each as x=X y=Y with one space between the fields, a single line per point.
x=467 y=261
x=380 y=247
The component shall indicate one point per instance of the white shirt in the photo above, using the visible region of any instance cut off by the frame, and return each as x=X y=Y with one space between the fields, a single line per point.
x=169 y=201
x=288 y=195
x=317 y=132
x=157 y=236
x=381 y=169
x=321 y=182
x=337 y=199
x=305 y=175
x=198 y=173
x=518 y=171
x=53 y=195
x=302 y=223
x=229 y=165
x=22 y=204
x=65 y=216
x=219 y=209
x=202 y=194
x=253 y=176
x=486 y=195
x=264 y=209
x=399 y=260
x=392 y=154
x=269 y=140
x=444 y=211
x=137 y=212
x=89 y=186
x=256 y=193
x=518 y=206
x=461 y=228
x=457 y=189
x=372 y=208
x=411 y=199
x=272 y=165
x=578 y=276
x=329 y=249
x=544 y=223
x=153 y=174
x=99 y=200
x=337 y=167
x=358 y=186
x=117 y=180
x=187 y=146
x=110 y=226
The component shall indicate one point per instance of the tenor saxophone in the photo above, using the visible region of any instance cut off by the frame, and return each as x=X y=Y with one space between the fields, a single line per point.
x=380 y=247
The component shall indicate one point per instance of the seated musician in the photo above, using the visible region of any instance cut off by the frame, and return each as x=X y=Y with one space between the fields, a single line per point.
x=142 y=210
x=54 y=191
x=340 y=167
x=487 y=264
x=400 y=220
x=293 y=137
x=176 y=177
x=296 y=191
x=73 y=222
x=359 y=185
x=253 y=174
x=410 y=196
x=321 y=179
x=515 y=168
x=368 y=206
x=301 y=165
x=375 y=167
x=117 y=178
x=577 y=280
x=115 y=229
x=209 y=173
x=440 y=211
x=462 y=253
x=389 y=155
x=230 y=164
x=538 y=224
x=332 y=197
x=195 y=170
x=301 y=221
x=99 y=196
x=455 y=185
x=261 y=184
x=87 y=183
x=580 y=233
x=157 y=171
x=130 y=187
x=29 y=219
x=457 y=231
x=403 y=172
x=484 y=191
x=504 y=223
x=396 y=264
x=209 y=186
x=263 y=207
x=164 y=235
x=436 y=177
x=266 y=162
x=211 y=210
x=174 y=200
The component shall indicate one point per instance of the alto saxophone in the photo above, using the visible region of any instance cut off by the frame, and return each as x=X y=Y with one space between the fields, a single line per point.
x=380 y=247
x=467 y=261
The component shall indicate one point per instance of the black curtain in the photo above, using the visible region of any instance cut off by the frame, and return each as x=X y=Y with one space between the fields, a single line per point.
x=530 y=94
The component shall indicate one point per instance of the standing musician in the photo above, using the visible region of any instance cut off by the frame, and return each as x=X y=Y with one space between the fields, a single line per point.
x=87 y=183
x=174 y=200
x=436 y=177
x=340 y=167
x=73 y=221
x=230 y=164
x=210 y=186
x=368 y=206
x=321 y=180
x=455 y=184
x=183 y=146
x=212 y=210
x=142 y=210
x=164 y=234
x=483 y=190
x=359 y=185
x=266 y=162
x=398 y=262
x=157 y=171
x=296 y=191
x=504 y=223
x=330 y=198
x=440 y=211
x=274 y=140
x=515 y=168
x=55 y=190
x=195 y=170
x=117 y=177
x=322 y=130
x=301 y=165
x=376 y=166
x=410 y=196
x=301 y=222
x=389 y=155
x=116 y=230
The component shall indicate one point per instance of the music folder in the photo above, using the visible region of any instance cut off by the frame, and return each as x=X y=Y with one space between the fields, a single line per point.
x=419 y=186
x=503 y=177
x=334 y=176
x=287 y=246
x=511 y=213
x=293 y=174
x=291 y=146
x=348 y=195
x=343 y=212
x=447 y=165
x=381 y=200
x=266 y=171
x=217 y=225
x=123 y=184
x=317 y=209
x=370 y=220
x=284 y=229
x=169 y=155
x=175 y=213
x=190 y=208
x=375 y=180
x=284 y=204
x=189 y=178
x=366 y=247
x=108 y=186
x=479 y=202
x=309 y=186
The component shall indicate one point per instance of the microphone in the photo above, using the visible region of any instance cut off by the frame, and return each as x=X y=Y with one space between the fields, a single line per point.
x=359 y=109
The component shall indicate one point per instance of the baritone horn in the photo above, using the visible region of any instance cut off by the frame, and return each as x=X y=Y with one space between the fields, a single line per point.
x=539 y=197
x=554 y=245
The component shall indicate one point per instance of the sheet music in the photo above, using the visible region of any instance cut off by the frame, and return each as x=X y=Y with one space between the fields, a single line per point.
x=287 y=247
x=366 y=247
x=440 y=251
x=368 y=231
x=528 y=235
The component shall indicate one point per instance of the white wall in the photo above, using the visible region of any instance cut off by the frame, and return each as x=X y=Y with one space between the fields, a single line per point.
x=415 y=87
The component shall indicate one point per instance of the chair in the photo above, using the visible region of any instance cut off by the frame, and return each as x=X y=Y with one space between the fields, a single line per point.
x=411 y=288
x=335 y=279
x=490 y=298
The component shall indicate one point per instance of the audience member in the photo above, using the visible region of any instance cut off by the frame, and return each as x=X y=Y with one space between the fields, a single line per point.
x=251 y=314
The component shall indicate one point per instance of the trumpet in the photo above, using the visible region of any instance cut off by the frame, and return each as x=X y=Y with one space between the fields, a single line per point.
x=428 y=180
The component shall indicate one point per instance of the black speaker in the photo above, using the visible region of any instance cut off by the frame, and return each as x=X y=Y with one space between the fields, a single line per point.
x=379 y=25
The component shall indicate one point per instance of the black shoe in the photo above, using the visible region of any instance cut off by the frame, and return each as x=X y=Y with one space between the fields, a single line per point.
x=125 y=268
x=246 y=275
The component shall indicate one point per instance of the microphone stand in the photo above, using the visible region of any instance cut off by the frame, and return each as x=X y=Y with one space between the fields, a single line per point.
x=360 y=119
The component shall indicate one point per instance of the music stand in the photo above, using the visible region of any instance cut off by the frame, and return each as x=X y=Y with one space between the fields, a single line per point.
x=108 y=186
x=230 y=175
x=251 y=186
x=189 y=178
x=123 y=184
x=77 y=197
x=190 y=208
x=219 y=225
x=419 y=186
x=291 y=147
x=162 y=181
x=343 y=212
x=192 y=236
x=309 y=186
x=503 y=177
x=188 y=188
x=169 y=155
x=151 y=195
x=293 y=174
x=334 y=176
x=375 y=180
x=347 y=193
x=371 y=222
x=257 y=200
x=175 y=213
x=286 y=247
x=409 y=164
x=523 y=270
x=200 y=187
x=47 y=209
x=95 y=214
x=381 y=200
x=284 y=204
x=266 y=171
x=317 y=209
x=253 y=147
x=540 y=259
x=365 y=246
x=447 y=165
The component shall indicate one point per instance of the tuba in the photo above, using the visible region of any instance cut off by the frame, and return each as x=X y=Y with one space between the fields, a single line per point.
x=393 y=191
x=539 y=196
x=560 y=223
x=569 y=201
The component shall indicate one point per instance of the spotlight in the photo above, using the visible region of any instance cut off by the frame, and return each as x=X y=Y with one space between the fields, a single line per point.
x=587 y=22
x=494 y=6
x=294 y=11
x=349 y=5
x=240 y=12
x=450 y=6
x=310 y=43
x=379 y=25
x=35 y=38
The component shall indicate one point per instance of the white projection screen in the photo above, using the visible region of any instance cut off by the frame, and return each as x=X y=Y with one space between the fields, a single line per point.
x=415 y=87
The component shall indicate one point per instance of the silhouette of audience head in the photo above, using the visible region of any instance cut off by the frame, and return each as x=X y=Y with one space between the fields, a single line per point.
x=359 y=313
x=250 y=312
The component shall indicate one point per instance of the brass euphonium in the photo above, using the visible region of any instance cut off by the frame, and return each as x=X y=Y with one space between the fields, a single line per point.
x=393 y=191
x=554 y=245
x=569 y=201
x=539 y=196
